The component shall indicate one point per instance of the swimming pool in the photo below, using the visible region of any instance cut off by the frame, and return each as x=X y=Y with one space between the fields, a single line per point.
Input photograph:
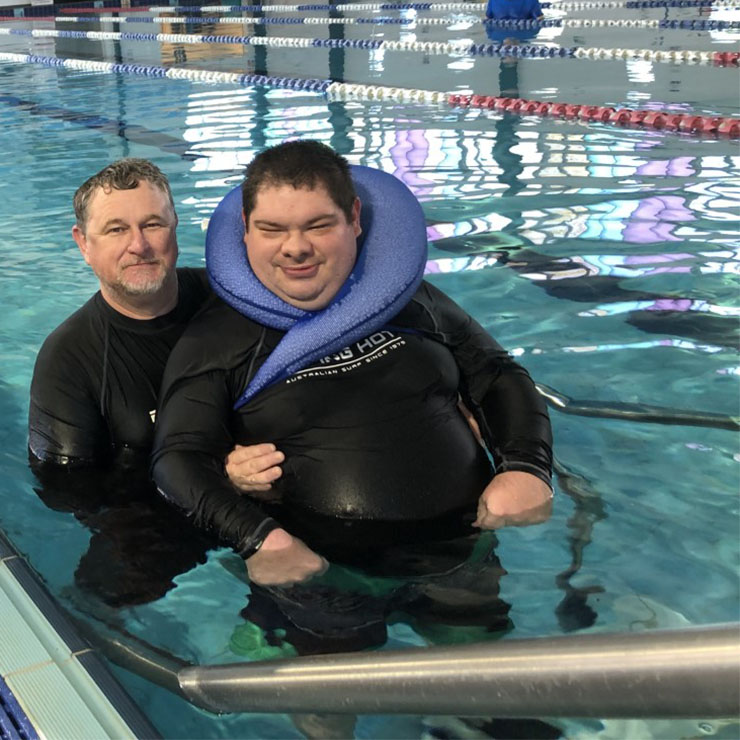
x=605 y=258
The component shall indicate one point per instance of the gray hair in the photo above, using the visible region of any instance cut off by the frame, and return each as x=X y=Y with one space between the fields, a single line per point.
x=124 y=174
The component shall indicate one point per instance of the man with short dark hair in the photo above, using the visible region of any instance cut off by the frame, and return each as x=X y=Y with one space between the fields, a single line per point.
x=376 y=447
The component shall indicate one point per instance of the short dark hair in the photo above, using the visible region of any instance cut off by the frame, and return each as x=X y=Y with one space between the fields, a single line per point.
x=124 y=174
x=302 y=164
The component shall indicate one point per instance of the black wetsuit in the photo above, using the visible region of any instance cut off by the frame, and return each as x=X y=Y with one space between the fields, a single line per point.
x=97 y=378
x=372 y=435
x=91 y=427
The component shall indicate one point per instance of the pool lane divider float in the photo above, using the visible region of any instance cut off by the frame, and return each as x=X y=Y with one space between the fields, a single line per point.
x=650 y=119
x=434 y=7
x=689 y=25
x=719 y=59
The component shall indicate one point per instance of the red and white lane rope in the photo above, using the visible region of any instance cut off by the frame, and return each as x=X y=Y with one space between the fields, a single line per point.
x=686 y=123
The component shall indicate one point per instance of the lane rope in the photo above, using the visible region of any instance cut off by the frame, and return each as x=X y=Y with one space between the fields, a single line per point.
x=656 y=120
x=474 y=7
x=419 y=7
x=719 y=59
x=692 y=25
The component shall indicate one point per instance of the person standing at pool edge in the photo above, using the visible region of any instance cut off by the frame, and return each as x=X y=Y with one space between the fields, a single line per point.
x=502 y=10
x=374 y=443
x=96 y=378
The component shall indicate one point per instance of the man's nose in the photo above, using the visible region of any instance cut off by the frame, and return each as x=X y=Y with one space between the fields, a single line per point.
x=296 y=244
x=138 y=244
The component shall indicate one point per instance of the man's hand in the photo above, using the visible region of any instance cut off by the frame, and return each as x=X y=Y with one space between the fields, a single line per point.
x=283 y=560
x=514 y=499
x=472 y=423
x=254 y=468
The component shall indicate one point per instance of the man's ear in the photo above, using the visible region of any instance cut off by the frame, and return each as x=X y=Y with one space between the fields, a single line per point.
x=356 y=208
x=79 y=236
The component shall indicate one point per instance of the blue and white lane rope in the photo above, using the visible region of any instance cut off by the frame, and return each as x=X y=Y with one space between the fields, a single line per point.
x=436 y=7
x=344 y=91
x=426 y=47
x=692 y=25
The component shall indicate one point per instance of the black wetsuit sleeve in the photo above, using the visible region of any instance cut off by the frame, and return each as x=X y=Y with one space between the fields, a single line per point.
x=65 y=423
x=500 y=393
x=86 y=490
x=192 y=440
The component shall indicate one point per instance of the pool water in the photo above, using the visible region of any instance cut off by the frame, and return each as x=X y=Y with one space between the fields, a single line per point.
x=605 y=259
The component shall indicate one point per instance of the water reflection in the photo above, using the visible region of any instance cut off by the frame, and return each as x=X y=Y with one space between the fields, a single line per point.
x=574 y=611
x=138 y=543
x=626 y=228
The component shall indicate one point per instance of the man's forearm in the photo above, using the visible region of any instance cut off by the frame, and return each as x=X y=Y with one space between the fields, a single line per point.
x=196 y=483
x=517 y=425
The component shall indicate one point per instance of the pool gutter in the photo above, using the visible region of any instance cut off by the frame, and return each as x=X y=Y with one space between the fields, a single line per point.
x=52 y=682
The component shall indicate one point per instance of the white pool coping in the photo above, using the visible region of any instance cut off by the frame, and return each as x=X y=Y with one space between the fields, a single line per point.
x=58 y=680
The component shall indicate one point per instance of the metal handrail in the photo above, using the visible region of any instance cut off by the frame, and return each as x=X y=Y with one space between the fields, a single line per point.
x=687 y=673
x=637 y=412
x=691 y=673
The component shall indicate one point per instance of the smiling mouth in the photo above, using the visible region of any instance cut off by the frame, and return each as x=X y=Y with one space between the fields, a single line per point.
x=300 y=271
x=151 y=263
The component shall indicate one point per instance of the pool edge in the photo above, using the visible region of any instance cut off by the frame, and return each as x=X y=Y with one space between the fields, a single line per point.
x=59 y=682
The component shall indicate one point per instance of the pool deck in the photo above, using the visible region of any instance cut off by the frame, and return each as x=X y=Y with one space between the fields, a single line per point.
x=52 y=683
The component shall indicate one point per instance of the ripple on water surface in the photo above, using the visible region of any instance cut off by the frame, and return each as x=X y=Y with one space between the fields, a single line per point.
x=605 y=259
